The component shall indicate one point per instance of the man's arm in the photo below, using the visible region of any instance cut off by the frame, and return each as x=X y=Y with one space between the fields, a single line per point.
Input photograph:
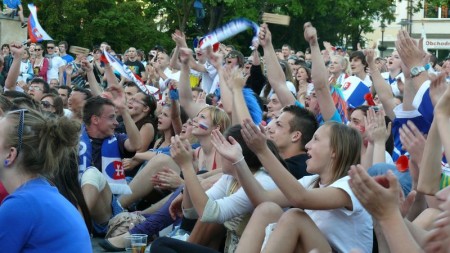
x=14 y=71
x=275 y=73
x=184 y=88
x=134 y=142
x=321 y=87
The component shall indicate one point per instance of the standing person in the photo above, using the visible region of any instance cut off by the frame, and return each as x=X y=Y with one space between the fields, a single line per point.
x=337 y=68
x=56 y=63
x=359 y=67
x=35 y=206
x=285 y=51
x=135 y=64
x=41 y=64
x=2 y=78
x=64 y=93
x=26 y=69
x=99 y=70
x=394 y=66
x=63 y=46
x=7 y=59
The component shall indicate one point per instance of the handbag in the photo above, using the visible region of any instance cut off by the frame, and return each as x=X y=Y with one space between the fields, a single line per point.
x=122 y=223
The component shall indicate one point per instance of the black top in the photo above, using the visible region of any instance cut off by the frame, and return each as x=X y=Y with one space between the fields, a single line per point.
x=297 y=165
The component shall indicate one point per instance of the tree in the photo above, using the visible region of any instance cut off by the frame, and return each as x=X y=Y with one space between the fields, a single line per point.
x=145 y=23
x=88 y=23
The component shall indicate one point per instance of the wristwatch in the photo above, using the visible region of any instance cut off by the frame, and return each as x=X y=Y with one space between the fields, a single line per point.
x=415 y=71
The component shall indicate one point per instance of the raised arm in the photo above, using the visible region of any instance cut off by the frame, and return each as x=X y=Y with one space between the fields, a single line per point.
x=383 y=90
x=382 y=202
x=93 y=84
x=14 y=70
x=318 y=74
x=110 y=77
x=184 y=87
x=181 y=152
x=240 y=108
x=275 y=74
x=134 y=142
x=412 y=55
x=175 y=115
x=180 y=41
x=254 y=190
x=225 y=92
x=379 y=133
x=442 y=116
x=430 y=166
x=298 y=196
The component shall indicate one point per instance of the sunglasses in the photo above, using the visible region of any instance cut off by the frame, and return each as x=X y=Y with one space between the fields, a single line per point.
x=37 y=49
x=20 y=127
x=50 y=47
x=46 y=104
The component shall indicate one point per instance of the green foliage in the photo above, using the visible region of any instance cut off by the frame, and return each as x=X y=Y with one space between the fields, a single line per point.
x=145 y=23
x=88 y=23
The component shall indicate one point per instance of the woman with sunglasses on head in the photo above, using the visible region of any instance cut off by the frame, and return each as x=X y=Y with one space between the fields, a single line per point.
x=38 y=217
x=53 y=104
x=40 y=65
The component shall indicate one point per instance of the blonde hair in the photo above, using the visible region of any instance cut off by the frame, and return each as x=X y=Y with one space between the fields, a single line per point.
x=219 y=117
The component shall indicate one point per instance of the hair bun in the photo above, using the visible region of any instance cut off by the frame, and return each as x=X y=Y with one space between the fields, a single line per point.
x=62 y=132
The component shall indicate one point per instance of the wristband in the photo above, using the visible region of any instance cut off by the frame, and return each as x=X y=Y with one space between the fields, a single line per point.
x=238 y=161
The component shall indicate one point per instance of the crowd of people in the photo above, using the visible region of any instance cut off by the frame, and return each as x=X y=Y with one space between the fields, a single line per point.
x=324 y=150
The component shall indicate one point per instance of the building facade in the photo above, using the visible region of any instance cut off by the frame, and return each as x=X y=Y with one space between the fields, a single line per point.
x=432 y=20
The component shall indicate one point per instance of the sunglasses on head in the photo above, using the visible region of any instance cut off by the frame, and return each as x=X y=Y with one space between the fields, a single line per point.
x=20 y=127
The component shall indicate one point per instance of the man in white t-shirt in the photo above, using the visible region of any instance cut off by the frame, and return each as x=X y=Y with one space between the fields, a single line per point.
x=56 y=63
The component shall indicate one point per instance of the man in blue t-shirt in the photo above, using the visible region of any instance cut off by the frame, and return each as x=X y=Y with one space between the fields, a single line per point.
x=63 y=46
x=13 y=6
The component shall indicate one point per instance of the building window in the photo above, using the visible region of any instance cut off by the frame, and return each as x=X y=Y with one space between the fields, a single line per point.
x=432 y=10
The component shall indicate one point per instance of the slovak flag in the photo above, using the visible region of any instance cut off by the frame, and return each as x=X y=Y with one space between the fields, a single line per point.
x=354 y=90
x=35 y=30
x=127 y=73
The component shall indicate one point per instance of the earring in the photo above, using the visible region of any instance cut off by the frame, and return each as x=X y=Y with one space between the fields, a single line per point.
x=5 y=163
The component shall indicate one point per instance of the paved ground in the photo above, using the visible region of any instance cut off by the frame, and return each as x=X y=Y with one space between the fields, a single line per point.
x=96 y=248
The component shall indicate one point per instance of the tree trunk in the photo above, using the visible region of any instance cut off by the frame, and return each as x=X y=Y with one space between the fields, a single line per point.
x=187 y=8
x=216 y=16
